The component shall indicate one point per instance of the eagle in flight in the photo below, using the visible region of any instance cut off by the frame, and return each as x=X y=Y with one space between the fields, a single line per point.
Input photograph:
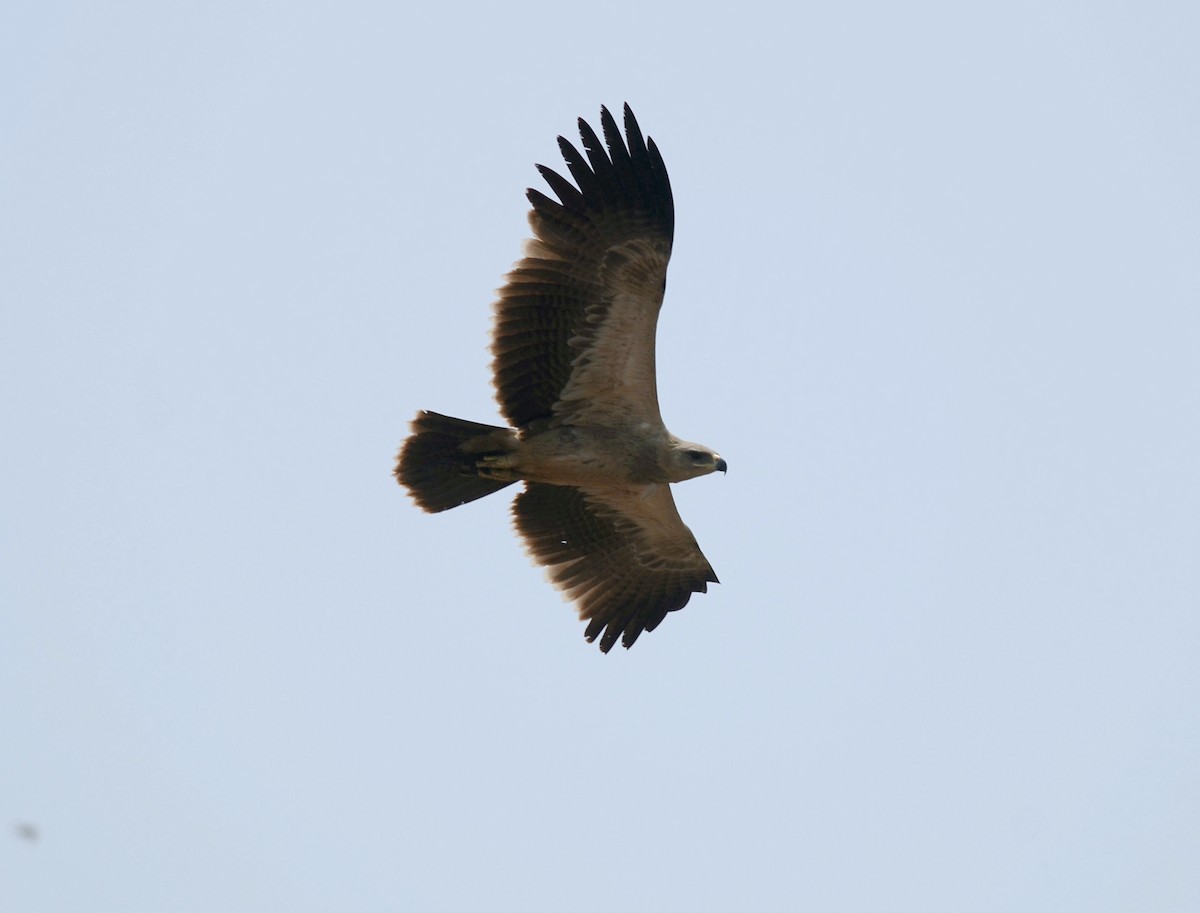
x=573 y=366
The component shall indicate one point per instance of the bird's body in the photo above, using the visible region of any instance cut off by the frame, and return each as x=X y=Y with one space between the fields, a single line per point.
x=633 y=453
x=573 y=346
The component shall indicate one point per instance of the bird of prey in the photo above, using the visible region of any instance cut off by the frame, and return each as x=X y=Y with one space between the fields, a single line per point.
x=573 y=365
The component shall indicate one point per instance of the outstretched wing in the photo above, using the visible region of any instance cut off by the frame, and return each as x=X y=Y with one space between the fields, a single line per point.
x=622 y=555
x=574 y=328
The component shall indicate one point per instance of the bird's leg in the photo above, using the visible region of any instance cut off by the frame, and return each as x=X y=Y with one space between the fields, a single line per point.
x=497 y=466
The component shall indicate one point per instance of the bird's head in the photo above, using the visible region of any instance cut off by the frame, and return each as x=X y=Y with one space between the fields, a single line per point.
x=692 y=460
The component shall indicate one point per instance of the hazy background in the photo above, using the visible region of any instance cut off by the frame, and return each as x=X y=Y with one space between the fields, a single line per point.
x=935 y=296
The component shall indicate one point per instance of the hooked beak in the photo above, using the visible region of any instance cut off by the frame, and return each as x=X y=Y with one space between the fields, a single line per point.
x=720 y=465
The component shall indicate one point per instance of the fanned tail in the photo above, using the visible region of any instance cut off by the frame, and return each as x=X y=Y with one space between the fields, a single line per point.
x=440 y=462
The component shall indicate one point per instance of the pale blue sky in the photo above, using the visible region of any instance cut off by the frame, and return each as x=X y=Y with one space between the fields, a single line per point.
x=934 y=296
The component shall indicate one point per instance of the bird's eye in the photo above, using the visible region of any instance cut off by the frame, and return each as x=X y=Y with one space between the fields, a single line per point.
x=696 y=456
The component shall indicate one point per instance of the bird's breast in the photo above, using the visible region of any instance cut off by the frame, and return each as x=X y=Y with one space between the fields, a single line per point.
x=574 y=455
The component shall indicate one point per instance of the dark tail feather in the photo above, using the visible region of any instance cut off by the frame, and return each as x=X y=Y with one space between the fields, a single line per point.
x=439 y=463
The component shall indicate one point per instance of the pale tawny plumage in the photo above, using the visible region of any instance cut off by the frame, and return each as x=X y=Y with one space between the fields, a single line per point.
x=573 y=364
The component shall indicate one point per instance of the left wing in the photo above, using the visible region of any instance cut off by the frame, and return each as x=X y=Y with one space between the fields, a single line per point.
x=622 y=555
x=574 y=326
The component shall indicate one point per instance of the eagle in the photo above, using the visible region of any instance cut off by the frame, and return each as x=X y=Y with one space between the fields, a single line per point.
x=573 y=365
